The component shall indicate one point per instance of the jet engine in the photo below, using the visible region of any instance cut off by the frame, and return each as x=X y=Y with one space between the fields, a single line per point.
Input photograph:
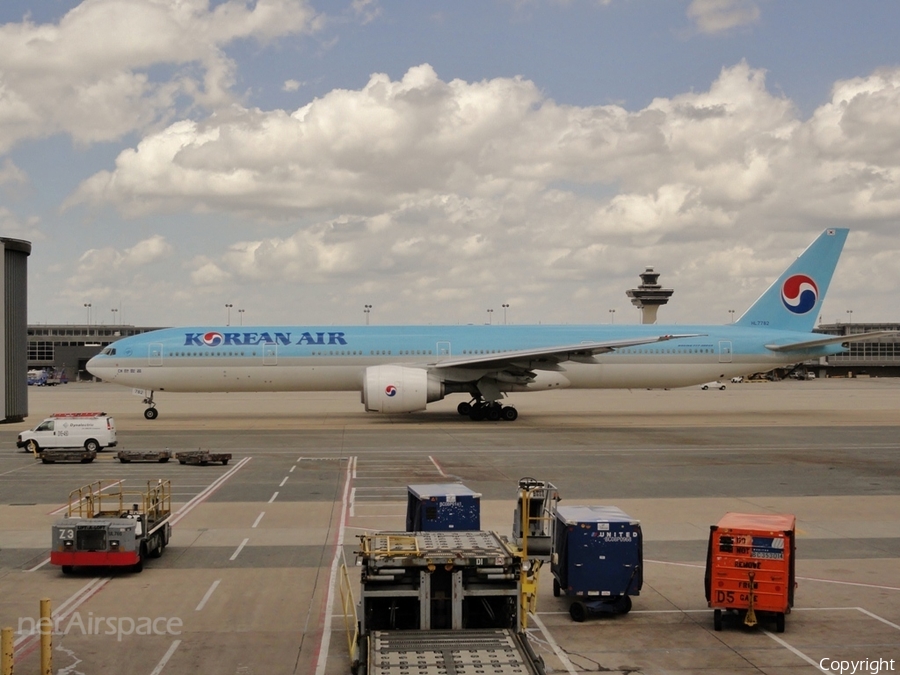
x=394 y=389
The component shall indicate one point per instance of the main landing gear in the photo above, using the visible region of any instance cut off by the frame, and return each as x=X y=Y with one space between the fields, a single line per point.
x=479 y=410
x=150 y=413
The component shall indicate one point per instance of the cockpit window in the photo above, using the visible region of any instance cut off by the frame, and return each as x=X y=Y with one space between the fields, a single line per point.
x=109 y=351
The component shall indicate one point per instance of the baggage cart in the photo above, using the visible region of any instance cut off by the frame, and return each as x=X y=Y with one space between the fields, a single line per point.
x=202 y=457
x=441 y=507
x=750 y=567
x=597 y=557
x=126 y=456
x=108 y=526
x=66 y=455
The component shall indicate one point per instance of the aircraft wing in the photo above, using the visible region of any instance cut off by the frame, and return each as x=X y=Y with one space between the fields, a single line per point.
x=550 y=356
x=832 y=339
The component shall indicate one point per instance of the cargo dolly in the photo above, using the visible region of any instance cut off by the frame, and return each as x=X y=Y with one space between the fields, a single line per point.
x=66 y=455
x=108 y=526
x=750 y=568
x=441 y=602
x=202 y=457
x=126 y=456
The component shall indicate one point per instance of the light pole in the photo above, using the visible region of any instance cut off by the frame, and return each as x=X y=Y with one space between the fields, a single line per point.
x=490 y=317
x=87 y=307
x=241 y=314
x=367 y=309
x=612 y=316
x=228 y=307
x=114 y=311
x=850 y=314
x=505 y=307
x=731 y=311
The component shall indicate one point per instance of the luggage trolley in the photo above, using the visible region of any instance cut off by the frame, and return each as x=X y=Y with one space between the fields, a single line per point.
x=750 y=567
x=597 y=557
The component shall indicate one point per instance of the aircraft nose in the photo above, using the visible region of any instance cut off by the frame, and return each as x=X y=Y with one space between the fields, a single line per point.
x=100 y=368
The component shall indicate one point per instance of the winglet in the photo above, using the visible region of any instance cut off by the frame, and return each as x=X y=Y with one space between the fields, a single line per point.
x=794 y=300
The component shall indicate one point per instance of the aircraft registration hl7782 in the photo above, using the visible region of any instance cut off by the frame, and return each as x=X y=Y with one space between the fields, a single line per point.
x=403 y=368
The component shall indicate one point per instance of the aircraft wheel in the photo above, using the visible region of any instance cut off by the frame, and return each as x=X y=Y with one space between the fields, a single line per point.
x=464 y=408
x=476 y=414
x=151 y=413
x=509 y=413
x=493 y=413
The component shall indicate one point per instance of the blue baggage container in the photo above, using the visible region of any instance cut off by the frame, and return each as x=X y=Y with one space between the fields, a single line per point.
x=597 y=556
x=441 y=507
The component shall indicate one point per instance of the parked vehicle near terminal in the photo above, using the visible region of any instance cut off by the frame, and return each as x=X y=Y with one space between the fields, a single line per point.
x=713 y=385
x=91 y=430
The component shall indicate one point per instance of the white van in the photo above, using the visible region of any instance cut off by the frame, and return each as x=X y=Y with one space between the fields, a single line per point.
x=92 y=430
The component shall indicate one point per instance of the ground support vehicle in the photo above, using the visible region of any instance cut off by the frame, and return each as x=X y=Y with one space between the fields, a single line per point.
x=126 y=456
x=597 y=557
x=750 y=567
x=442 y=506
x=62 y=455
x=442 y=602
x=532 y=528
x=108 y=526
x=202 y=457
x=91 y=430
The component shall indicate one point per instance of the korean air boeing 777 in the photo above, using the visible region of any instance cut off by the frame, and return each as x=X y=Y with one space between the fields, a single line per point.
x=403 y=368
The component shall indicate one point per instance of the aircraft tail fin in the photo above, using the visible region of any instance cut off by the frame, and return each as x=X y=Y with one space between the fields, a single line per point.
x=794 y=300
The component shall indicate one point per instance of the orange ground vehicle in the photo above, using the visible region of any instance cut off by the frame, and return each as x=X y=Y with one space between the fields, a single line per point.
x=750 y=567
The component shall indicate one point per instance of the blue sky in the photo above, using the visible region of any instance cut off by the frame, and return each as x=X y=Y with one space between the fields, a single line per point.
x=435 y=159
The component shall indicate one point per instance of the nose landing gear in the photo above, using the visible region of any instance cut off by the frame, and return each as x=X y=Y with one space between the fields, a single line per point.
x=150 y=413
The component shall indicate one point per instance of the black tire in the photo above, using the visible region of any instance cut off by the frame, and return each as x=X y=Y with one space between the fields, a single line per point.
x=163 y=460
x=224 y=462
x=157 y=550
x=182 y=461
x=32 y=446
x=464 y=408
x=124 y=460
x=509 y=414
x=705 y=387
x=138 y=567
x=476 y=414
x=87 y=460
x=556 y=589
x=779 y=622
x=91 y=445
x=151 y=413
x=717 y=619
x=722 y=388
x=578 y=611
x=67 y=569
x=493 y=413
x=623 y=604
x=46 y=461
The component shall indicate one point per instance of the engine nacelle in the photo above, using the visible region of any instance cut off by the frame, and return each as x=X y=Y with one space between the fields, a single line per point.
x=394 y=389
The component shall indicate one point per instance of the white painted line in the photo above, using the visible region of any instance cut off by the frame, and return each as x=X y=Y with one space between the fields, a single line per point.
x=322 y=656
x=437 y=466
x=795 y=651
x=292 y=468
x=258 y=518
x=201 y=497
x=39 y=565
x=239 y=549
x=353 y=502
x=283 y=482
x=354 y=462
x=212 y=589
x=273 y=498
x=881 y=619
x=560 y=654
x=165 y=659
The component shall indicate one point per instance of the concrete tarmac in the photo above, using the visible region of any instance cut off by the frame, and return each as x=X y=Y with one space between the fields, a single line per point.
x=249 y=583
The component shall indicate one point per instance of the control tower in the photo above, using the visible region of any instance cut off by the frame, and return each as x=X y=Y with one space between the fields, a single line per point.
x=649 y=296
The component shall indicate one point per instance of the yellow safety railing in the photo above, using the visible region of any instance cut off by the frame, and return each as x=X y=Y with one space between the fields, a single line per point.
x=394 y=545
x=351 y=619
x=98 y=500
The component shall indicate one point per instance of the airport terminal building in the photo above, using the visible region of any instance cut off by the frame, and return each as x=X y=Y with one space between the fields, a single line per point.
x=66 y=348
